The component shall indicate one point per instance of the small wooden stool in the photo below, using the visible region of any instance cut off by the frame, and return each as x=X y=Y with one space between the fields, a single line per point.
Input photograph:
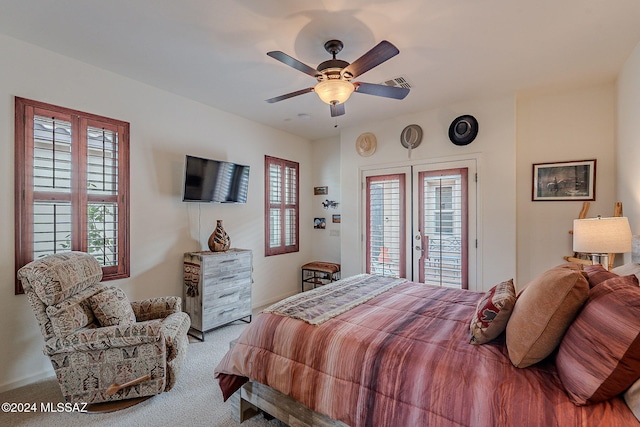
x=320 y=273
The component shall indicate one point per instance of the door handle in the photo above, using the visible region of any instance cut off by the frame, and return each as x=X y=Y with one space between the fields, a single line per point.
x=424 y=244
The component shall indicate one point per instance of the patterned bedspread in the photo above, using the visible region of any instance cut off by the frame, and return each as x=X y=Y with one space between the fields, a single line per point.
x=333 y=299
x=403 y=358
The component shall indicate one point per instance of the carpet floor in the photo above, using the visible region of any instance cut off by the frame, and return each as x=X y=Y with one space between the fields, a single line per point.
x=195 y=400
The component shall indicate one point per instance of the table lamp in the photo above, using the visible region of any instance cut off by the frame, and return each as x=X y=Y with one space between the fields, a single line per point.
x=600 y=237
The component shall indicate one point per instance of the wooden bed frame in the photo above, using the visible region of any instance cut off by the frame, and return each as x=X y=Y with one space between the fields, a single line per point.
x=253 y=398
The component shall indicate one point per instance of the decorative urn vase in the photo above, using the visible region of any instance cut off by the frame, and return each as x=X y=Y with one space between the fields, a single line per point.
x=219 y=241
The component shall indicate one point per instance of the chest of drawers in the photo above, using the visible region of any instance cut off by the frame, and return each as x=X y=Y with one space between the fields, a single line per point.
x=217 y=288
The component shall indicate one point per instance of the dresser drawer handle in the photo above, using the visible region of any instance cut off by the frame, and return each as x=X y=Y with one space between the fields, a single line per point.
x=229 y=277
x=227 y=295
x=228 y=260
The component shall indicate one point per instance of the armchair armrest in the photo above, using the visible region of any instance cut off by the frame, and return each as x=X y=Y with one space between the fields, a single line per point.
x=156 y=308
x=106 y=337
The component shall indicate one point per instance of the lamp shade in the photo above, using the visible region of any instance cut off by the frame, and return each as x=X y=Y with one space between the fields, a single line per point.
x=601 y=235
x=334 y=91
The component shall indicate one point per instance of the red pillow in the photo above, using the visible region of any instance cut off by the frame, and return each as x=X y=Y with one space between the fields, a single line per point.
x=599 y=356
x=597 y=274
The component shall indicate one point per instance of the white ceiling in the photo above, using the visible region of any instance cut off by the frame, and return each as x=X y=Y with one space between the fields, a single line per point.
x=450 y=50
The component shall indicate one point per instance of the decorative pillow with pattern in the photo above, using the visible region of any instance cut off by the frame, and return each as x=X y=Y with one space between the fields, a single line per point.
x=56 y=277
x=73 y=313
x=598 y=357
x=492 y=313
x=112 y=307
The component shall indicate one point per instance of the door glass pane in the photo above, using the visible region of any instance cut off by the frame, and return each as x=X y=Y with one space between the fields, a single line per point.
x=385 y=225
x=443 y=224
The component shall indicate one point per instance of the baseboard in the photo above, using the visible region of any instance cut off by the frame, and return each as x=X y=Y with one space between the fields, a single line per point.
x=44 y=375
x=265 y=303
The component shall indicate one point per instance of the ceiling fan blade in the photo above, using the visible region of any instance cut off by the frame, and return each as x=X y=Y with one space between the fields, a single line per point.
x=289 y=95
x=376 y=56
x=381 y=90
x=292 y=62
x=336 y=109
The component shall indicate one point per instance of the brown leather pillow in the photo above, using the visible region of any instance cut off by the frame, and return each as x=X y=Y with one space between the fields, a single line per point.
x=543 y=311
x=600 y=353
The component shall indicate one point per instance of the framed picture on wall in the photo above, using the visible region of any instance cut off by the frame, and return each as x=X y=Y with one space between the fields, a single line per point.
x=562 y=181
x=320 y=191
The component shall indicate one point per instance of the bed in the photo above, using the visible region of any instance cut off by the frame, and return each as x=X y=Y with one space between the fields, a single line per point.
x=373 y=351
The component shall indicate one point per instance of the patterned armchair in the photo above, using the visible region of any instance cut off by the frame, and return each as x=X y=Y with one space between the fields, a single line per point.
x=95 y=338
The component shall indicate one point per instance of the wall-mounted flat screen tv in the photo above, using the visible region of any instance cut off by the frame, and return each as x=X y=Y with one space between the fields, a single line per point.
x=207 y=180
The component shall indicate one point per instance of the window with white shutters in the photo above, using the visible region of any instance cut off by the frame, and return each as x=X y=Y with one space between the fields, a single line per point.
x=281 y=206
x=72 y=186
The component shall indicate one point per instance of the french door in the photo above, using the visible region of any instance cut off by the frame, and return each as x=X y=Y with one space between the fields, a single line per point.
x=420 y=223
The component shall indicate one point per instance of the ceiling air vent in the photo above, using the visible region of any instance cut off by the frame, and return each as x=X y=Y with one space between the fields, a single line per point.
x=398 y=82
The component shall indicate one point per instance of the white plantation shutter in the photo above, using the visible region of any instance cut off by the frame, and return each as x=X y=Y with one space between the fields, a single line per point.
x=52 y=210
x=281 y=206
x=386 y=228
x=102 y=192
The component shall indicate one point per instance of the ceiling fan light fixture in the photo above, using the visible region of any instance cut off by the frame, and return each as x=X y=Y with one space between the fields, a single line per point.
x=334 y=91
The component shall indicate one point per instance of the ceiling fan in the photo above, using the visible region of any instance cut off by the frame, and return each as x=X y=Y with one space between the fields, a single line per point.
x=335 y=76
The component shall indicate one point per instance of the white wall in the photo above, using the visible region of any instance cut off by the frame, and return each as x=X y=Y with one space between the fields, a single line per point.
x=325 y=244
x=164 y=127
x=495 y=149
x=561 y=126
x=628 y=140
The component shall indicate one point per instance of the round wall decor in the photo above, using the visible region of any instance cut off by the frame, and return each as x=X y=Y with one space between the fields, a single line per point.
x=366 y=144
x=463 y=130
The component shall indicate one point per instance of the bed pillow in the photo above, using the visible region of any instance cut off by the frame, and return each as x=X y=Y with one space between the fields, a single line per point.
x=627 y=269
x=543 y=311
x=112 y=307
x=599 y=356
x=598 y=274
x=492 y=312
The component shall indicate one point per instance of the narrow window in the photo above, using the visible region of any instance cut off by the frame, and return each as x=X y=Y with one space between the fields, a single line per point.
x=72 y=186
x=282 y=180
